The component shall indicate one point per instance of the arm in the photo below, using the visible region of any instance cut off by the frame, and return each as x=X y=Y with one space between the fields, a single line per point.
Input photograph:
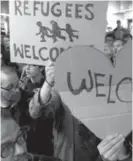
x=36 y=107
x=46 y=99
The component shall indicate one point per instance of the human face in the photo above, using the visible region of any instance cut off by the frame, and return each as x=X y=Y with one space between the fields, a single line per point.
x=118 y=24
x=108 y=50
x=13 y=145
x=32 y=71
x=117 y=46
x=10 y=93
x=109 y=40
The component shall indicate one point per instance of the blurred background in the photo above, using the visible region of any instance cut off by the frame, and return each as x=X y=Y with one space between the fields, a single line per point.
x=117 y=10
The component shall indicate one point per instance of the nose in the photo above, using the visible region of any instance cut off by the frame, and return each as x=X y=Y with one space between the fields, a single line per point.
x=19 y=149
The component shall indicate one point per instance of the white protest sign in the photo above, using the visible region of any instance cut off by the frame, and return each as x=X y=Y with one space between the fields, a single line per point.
x=41 y=30
x=95 y=89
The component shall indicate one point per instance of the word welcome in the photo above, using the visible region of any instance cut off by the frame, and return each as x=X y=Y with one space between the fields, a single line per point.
x=97 y=84
x=68 y=10
x=30 y=52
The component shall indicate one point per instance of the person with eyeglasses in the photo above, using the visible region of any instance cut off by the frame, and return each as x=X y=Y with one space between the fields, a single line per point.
x=13 y=142
x=13 y=145
x=85 y=142
x=73 y=141
x=14 y=101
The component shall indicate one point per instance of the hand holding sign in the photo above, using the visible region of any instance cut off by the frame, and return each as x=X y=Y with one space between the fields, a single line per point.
x=93 y=88
x=112 y=149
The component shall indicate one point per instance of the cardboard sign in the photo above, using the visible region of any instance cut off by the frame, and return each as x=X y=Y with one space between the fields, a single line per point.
x=92 y=87
x=41 y=30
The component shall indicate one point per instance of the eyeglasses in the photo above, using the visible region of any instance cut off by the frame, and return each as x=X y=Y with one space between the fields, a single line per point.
x=8 y=149
x=11 y=89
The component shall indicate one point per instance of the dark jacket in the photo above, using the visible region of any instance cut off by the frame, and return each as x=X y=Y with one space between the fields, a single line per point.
x=72 y=140
x=40 y=135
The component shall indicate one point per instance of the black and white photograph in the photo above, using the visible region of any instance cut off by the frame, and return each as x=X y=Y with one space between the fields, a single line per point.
x=66 y=80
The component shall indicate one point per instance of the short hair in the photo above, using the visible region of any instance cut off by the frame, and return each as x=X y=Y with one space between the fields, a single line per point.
x=126 y=35
x=110 y=35
x=118 y=21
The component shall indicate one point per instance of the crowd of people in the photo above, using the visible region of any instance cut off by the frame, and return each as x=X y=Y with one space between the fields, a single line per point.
x=36 y=125
x=115 y=41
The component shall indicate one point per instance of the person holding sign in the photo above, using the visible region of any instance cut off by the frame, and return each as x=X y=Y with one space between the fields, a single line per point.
x=15 y=102
x=72 y=140
x=40 y=139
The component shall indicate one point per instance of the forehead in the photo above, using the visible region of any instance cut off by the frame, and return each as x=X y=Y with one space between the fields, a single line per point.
x=9 y=79
x=9 y=130
x=118 y=42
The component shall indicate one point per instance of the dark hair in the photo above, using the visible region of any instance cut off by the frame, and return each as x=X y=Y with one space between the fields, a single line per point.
x=126 y=35
x=118 y=21
x=3 y=33
x=110 y=35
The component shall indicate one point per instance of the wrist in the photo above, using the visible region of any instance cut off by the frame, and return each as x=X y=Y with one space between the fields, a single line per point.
x=49 y=84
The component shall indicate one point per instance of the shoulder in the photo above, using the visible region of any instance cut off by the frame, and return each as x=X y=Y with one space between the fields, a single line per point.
x=115 y=29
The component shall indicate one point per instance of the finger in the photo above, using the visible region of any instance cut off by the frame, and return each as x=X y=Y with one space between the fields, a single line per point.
x=50 y=72
x=51 y=63
x=111 y=157
x=114 y=156
x=50 y=68
x=114 y=149
x=110 y=143
x=105 y=141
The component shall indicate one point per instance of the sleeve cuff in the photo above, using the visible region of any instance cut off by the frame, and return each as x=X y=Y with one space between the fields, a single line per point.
x=40 y=102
